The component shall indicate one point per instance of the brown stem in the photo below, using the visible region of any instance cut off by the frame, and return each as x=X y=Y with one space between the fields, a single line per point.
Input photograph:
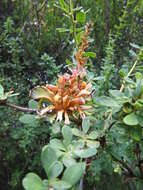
x=107 y=16
x=43 y=5
x=138 y=153
x=38 y=19
x=19 y=108
x=124 y=166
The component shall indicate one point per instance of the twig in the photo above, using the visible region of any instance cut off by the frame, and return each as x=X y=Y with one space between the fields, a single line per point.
x=38 y=19
x=73 y=21
x=81 y=184
x=19 y=108
x=129 y=73
x=138 y=153
x=22 y=30
x=43 y=5
x=124 y=165
x=110 y=126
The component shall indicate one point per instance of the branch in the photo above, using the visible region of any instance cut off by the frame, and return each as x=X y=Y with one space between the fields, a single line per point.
x=129 y=73
x=138 y=153
x=38 y=19
x=124 y=166
x=19 y=108
x=43 y=5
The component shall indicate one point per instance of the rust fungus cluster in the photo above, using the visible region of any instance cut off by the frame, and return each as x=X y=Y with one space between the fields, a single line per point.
x=71 y=92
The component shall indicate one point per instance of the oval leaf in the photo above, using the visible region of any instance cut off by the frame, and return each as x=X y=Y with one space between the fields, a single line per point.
x=32 y=182
x=48 y=157
x=81 y=17
x=33 y=104
x=1 y=90
x=28 y=119
x=60 y=185
x=85 y=153
x=89 y=54
x=67 y=134
x=74 y=173
x=40 y=92
x=55 y=170
x=85 y=125
x=131 y=119
x=68 y=161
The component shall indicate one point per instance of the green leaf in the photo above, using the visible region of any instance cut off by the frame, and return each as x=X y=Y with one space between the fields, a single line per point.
x=74 y=173
x=33 y=104
x=40 y=92
x=1 y=90
x=140 y=119
x=106 y=101
x=93 y=135
x=135 y=46
x=68 y=160
x=62 y=30
x=55 y=170
x=67 y=134
x=116 y=93
x=85 y=153
x=81 y=17
x=32 y=182
x=28 y=119
x=85 y=125
x=60 y=185
x=3 y=96
x=136 y=133
x=131 y=119
x=89 y=54
x=78 y=144
x=78 y=37
x=93 y=144
x=48 y=157
x=57 y=144
x=76 y=132
x=138 y=87
x=64 y=6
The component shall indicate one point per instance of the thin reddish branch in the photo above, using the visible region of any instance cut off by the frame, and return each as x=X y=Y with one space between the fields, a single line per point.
x=19 y=108
x=138 y=153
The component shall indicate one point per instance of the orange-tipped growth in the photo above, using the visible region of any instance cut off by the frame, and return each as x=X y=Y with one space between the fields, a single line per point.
x=79 y=55
x=71 y=93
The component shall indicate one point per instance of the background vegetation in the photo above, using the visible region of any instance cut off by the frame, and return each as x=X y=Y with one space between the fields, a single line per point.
x=36 y=44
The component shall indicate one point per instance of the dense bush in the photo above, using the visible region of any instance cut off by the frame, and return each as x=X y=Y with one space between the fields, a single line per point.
x=44 y=47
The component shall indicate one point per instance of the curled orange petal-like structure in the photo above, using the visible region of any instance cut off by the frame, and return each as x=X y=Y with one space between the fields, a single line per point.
x=71 y=91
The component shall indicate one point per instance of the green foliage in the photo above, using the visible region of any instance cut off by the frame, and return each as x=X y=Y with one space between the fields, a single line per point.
x=37 y=41
x=53 y=169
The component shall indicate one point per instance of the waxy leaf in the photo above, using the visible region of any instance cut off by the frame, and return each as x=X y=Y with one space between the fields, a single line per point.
x=28 y=119
x=68 y=160
x=85 y=125
x=67 y=134
x=57 y=144
x=60 y=185
x=48 y=157
x=32 y=182
x=55 y=170
x=93 y=135
x=40 y=92
x=93 y=144
x=81 y=17
x=90 y=54
x=74 y=173
x=33 y=104
x=1 y=91
x=85 y=153
x=131 y=119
